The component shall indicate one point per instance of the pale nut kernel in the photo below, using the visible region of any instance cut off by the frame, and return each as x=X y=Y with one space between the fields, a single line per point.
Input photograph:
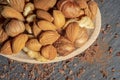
x=6 y=48
x=41 y=58
x=25 y=49
x=86 y=22
x=33 y=54
x=14 y=27
x=33 y=44
x=18 y=42
x=9 y=12
x=30 y=36
x=29 y=7
x=48 y=37
x=49 y=52
x=31 y=18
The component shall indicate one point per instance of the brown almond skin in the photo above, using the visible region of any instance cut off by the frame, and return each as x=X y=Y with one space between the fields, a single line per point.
x=82 y=4
x=46 y=25
x=82 y=37
x=14 y=27
x=69 y=8
x=44 y=15
x=93 y=8
x=3 y=35
x=6 y=48
x=33 y=44
x=36 y=30
x=9 y=12
x=18 y=42
x=64 y=46
x=48 y=37
x=44 y=4
x=17 y=4
x=49 y=52
x=72 y=31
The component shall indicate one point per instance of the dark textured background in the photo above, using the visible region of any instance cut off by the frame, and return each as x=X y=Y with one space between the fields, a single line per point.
x=75 y=69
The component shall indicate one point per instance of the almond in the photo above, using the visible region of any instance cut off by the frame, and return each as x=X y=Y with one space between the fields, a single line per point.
x=36 y=29
x=49 y=52
x=6 y=48
x=44 y=4
x=48 y=37
x=33 y=44
x=64 y=46
x=18 y=42
x=93 y=8
x=3 y=35
x=72 y=31
x=14 y=27
x=44 y=15
x=88 y=12
x=82 y=4
x=9 y=12
x=46 y=25
x=17 y=4
x=81 y=38
x=59 y=19
x=31 y=18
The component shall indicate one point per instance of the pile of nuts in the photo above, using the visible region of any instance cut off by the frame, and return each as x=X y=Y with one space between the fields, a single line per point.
x=45 y=29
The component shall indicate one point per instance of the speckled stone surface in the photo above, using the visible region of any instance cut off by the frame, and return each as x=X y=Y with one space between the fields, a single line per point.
x=75 y=69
